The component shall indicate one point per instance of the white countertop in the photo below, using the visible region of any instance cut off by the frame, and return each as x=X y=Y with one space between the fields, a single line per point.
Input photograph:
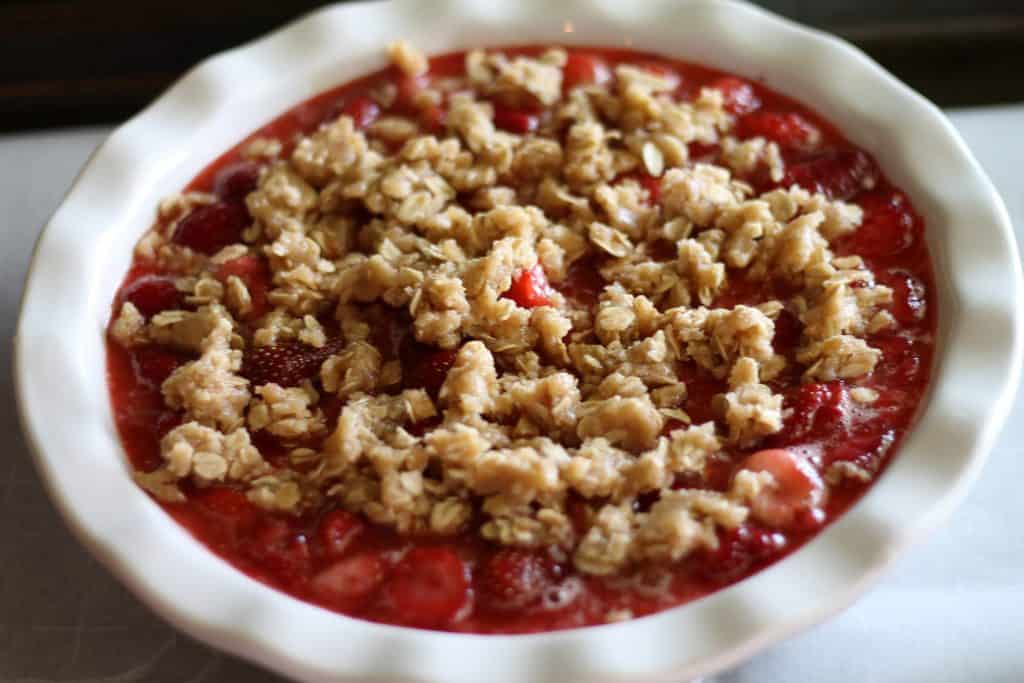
x=948 y=612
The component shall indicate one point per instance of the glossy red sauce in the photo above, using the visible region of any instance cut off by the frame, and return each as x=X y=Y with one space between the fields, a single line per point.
x=343 y=563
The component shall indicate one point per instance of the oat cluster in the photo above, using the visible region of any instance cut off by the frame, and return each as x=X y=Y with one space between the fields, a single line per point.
x=566 y=401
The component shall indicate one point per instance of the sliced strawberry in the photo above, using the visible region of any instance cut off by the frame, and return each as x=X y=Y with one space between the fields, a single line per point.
x=424 y=367
x=286 y=364
x=235 y=181
x=796 y=486
x=901 y=362
x=790 y=130
x=519 y=121
x=428 y=587
x=512 y=579
x=350 y=583
x=738 y=551
x=363 y=111
x=154 y=364
x=740 y=98
x=227 y=503
x=838 y=174
x=336 y=531
x=211 y=227
x=653 y=187
x=278 y=547
x=703 y=152
x=583 y=283
x=433 y=118
x=908 y=297
x=530 y=288
x=255 y=273
x=152 y=294
x=582 y=68
x=819 y=409
x=889 y=226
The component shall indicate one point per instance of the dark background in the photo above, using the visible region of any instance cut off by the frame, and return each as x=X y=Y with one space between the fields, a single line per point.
x=71 y=62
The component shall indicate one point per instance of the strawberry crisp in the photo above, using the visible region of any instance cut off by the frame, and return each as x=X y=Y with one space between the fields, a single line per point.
x=523 y=339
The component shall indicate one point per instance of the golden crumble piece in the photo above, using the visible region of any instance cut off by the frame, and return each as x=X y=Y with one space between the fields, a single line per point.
x=472 y=382
x=129 y=328
x=357 y=369
x=285 y=412
x=743 y=157
x=208 y=455
x=838 y=357
x=209 y=389
x=607 y=545
x=162 y=483
x=633 y=423
x=750 y=409
x=407 y=58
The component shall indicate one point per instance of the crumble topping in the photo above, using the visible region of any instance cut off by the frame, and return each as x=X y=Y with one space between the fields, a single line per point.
x=550 y=401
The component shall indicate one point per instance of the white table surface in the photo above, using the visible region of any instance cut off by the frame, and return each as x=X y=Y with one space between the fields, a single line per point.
x=950 y=611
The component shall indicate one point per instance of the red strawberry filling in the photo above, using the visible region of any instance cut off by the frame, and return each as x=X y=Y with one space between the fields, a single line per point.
x=354 y=563
x=211 y=227
x=152 y=294
x=790 y=130
x=582 y=69
x=428 y=586
x=286 y=364
x=513 y=579
x=530 y=288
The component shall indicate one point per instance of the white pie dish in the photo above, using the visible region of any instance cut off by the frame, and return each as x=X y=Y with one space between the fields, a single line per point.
x=61 y=381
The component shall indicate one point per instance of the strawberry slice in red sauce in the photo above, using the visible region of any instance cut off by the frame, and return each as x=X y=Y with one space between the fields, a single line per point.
x=278 y=547
x=582 y=69
x=428 y=586
x=819 y=409
x=152 y=294
x=901 y=360
x=154 y=364
x=286 y=364
x=227 y=503
x=234 y=182
x=351 y=582
x=908 y=297
x=790 y=130
x=652 y=185
x=433 y=118
x=519 y=121
x=739 y=550
x=530 y=288
x=336 y=532
x=797 y=488
x=211 y=227
x=889 y=226
x=838 y=173
x=740 y=98
x=363 y=111
x=512 y=579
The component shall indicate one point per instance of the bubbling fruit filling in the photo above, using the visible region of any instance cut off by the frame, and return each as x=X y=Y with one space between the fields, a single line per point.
x=522 y=339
